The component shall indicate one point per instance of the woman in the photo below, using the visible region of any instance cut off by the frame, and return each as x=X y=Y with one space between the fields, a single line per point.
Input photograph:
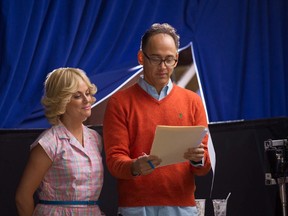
x=65 y=162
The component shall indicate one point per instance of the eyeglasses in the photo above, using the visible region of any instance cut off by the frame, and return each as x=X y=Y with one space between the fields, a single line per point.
x=169 y=61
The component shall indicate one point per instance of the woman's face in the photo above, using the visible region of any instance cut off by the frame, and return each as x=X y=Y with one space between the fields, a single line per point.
x=79 y=107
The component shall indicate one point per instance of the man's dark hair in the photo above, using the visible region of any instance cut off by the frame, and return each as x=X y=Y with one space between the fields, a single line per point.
x=158 y=28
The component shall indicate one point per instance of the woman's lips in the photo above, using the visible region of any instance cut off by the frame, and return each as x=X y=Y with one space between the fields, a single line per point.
x=87 y=107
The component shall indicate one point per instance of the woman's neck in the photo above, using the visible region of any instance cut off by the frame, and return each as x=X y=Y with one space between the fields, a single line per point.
x=76 y=129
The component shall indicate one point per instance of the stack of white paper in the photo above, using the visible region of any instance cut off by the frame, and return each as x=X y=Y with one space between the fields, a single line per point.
x=171 y=142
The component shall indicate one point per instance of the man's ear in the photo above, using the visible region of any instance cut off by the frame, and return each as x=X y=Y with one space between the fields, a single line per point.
x=177 y=57
x=140 y=57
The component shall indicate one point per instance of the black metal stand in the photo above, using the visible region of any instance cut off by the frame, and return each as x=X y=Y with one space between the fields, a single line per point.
x=282 y=189
x=277 y=154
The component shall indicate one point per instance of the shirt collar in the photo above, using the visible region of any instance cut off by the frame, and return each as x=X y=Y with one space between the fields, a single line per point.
x=152 y=91
x=64 y=133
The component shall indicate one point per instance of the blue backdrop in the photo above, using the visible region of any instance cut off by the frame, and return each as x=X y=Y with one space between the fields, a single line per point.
x=240 y=48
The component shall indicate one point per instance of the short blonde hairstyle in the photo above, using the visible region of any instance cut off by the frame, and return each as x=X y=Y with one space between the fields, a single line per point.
x=60 y=85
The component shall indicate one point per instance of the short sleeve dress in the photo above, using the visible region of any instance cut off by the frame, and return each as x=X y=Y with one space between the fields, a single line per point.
x=76 y=173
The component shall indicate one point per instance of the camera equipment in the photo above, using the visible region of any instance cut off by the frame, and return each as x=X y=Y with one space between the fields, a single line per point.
x=277 y=156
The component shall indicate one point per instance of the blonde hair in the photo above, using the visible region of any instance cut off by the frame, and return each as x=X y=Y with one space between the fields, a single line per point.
x=60 y=85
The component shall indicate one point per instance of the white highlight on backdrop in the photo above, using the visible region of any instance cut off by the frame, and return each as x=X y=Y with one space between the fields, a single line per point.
x=183 y=82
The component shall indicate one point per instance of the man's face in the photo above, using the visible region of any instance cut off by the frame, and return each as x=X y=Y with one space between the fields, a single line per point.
x=160 y=46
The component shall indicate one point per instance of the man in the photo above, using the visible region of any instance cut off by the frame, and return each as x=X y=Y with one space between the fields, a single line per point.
x=129 y=126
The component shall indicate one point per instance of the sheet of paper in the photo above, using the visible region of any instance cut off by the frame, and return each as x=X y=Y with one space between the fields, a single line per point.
x=171 y=142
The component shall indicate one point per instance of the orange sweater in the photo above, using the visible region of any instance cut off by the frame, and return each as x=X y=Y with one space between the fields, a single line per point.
x=129 y=126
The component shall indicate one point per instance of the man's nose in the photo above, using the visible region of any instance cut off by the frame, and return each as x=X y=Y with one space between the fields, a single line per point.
x=162 y=63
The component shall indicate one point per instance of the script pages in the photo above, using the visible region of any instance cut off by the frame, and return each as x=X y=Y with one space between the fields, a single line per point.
x=170 y=142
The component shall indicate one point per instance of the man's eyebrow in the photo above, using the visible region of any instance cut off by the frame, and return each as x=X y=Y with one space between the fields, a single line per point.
x=156 y=55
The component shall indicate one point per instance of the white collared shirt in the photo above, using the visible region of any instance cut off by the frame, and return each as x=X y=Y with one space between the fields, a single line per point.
x=151 y=90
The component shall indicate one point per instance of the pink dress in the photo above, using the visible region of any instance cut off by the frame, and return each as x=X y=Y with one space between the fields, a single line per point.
x=76 y=173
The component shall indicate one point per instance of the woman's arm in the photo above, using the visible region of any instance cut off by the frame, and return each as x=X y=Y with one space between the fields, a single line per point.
x=35 y=170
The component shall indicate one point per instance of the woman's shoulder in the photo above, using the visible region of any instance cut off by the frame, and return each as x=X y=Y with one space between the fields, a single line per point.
x=94 y=137
x=50 y=135
x=92 y=131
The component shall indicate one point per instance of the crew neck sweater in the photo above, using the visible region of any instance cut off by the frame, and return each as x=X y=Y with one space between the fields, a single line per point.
x=129 y=126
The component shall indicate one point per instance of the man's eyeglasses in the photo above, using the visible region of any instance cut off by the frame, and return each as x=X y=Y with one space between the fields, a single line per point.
x=169 y=61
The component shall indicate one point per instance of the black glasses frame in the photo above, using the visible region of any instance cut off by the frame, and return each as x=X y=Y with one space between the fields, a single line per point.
x=160 y=61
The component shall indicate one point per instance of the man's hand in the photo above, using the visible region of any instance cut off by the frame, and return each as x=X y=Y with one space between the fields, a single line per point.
x=145 y=165
x=195 y=154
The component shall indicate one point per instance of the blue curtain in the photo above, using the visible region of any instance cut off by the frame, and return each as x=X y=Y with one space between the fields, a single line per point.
x=239 y=46
x=241 y=49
